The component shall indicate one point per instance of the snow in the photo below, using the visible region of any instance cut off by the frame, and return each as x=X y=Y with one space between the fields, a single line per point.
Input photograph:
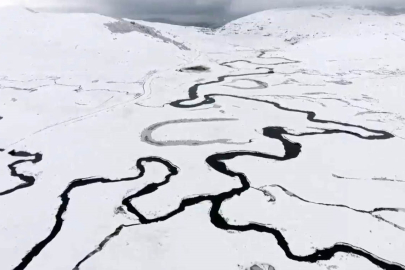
x=304 y=104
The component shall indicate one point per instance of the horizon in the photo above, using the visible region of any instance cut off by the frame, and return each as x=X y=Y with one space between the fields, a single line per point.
x=202 y=21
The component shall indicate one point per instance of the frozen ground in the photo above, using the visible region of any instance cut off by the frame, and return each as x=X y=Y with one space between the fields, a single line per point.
x=283 y=152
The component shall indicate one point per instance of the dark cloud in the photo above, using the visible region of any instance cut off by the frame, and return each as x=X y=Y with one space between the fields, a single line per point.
x=180 y=11
x=193 y=12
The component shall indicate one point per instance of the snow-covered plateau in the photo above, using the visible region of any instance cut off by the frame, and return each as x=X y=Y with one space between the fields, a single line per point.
x=272 y=143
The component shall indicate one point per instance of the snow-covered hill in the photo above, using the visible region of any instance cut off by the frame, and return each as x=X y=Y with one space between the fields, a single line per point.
x=273 y=142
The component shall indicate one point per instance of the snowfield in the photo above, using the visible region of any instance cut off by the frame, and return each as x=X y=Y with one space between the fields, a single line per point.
x=282 y=150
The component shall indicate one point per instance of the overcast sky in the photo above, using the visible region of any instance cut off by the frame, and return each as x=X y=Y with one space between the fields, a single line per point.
x=184 y=11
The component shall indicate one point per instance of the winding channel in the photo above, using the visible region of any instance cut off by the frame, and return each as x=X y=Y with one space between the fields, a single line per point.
x=28 y=180
x=372 y=213
x=146 y=135
x=292 y=150
x=36 y=250
x=260 y=84
x=286 y=62
x=217 y=162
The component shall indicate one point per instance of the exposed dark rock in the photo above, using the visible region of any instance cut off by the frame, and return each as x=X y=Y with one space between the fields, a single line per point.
x=123 y=27
x=195 y=69
x=262 y=266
